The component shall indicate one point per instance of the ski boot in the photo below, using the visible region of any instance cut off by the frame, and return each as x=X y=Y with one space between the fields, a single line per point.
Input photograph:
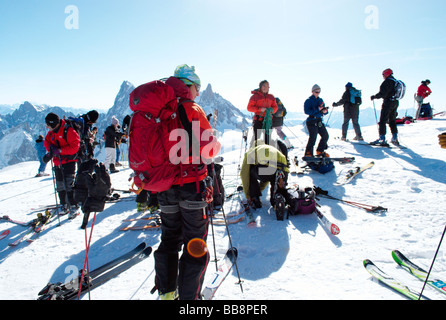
x=380 y=142
x=394 y=139
x=322 y=154
x=279 y=206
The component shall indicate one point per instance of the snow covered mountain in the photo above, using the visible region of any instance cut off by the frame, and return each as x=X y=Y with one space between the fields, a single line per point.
x=229 y=117
x=20 y=129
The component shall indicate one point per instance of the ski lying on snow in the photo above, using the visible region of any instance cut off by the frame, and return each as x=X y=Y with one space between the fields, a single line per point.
x=351 y=174
x=153 y=225
x=142 y=218
x=390 y=281
x=417 y=271
x=97 y=277
x=385 y=145
x=220 y=275
x=334 y=229
x=218 y=222
x=8 y=219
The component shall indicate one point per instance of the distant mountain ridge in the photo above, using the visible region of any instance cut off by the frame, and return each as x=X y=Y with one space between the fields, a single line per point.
x=20 y=128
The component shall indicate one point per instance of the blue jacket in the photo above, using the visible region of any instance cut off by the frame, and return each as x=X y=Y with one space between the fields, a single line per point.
x=311 y=107
x=40 y=148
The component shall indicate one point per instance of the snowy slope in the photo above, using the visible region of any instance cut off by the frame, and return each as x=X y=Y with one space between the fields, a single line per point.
x=278 y=260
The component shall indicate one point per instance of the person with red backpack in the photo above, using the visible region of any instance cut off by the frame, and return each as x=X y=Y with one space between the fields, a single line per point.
x=63 y=151
x=170 y=140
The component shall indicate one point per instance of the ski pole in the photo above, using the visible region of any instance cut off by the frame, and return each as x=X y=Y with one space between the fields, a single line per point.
x=55 y=192
x=433 y=261
x=329 y=117
x=376 y=117
x=227 y=230
x=87 y=249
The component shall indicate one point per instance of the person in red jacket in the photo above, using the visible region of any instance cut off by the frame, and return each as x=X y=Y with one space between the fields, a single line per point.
x=262 y=103
x=422 y=93
x=62 y=143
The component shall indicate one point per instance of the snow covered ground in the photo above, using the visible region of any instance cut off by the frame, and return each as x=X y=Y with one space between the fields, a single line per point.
x=278 y=260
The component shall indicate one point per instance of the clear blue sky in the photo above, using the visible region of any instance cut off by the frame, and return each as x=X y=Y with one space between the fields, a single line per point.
x=233 y=43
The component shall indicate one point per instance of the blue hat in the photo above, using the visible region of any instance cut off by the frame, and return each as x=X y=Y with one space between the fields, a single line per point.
x=349 y=85
x=187 y=75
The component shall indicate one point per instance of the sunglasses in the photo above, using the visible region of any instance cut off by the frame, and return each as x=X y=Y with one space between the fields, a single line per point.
x=317 y=92
x=197 y=86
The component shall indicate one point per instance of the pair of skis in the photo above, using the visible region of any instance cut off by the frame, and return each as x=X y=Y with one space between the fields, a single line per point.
x=36 y=226
x=351 y=174
x=95 y=278
x=410 y=267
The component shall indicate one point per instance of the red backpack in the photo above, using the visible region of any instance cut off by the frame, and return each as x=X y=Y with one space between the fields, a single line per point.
x=155 y=108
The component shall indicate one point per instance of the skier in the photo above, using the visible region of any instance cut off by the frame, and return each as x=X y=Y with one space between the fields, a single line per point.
x=389 y=108
x=278 y=122
x=315 y=108
x=422 y=93
x=112 y=135
x=41 y=151
x=263 y=104
x=183 y=215
x=63 y=152
x=261 y=164
x=351 y=112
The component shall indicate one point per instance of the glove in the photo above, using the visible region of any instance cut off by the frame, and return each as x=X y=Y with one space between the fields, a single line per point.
x=47 y=157
x=99 y=186
x=55 y=151
x=372 y=98
x=335 y=104
x=80 y=188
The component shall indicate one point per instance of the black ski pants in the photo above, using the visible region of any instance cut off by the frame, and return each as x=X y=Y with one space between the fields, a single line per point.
x=65 y=174
x=315 y=127
x=183 y=218
x=388 y=115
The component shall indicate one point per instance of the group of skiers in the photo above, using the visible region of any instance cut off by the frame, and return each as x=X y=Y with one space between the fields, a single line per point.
x=265 y=153
x=184 y=189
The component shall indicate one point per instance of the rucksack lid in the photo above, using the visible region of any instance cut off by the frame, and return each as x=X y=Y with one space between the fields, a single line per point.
x=156 y=98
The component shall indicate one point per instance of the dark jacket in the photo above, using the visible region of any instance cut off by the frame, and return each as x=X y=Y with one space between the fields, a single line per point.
x=111 y=136
x=387 y=89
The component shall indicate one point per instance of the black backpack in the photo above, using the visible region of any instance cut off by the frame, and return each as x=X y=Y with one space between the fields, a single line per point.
x=219 y=190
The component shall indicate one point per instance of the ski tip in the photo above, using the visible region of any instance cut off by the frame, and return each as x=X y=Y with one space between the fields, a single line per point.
x=367 y=262
x=398 y=256
x=334 y=229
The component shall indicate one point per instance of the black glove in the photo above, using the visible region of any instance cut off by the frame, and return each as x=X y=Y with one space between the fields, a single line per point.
x=372 y=98
x=335 y=104
x=99 y=186
x=81 y=182
x=47 y=157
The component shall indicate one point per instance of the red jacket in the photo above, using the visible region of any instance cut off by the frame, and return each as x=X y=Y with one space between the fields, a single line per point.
x=260 y=100
x=423 y=91
x=202 y=133
x=68 y=147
